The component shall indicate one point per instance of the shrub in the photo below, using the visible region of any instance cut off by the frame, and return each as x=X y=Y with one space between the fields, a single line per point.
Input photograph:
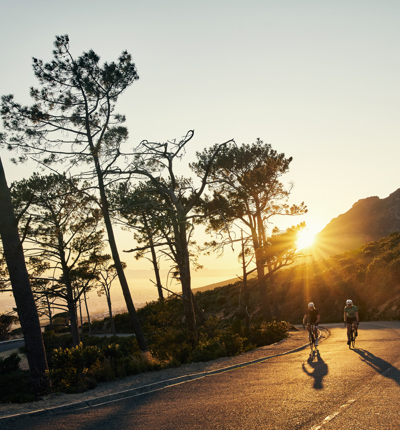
x=209 y=349
x=79 y=369
x=268 y=333
x=6 y=321
x=10 y=363
x=16 y=386
x=233 y=342
x=70 y=368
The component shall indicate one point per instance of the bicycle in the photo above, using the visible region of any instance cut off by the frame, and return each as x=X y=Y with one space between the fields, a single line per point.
x=353 y=336
x=312 y=339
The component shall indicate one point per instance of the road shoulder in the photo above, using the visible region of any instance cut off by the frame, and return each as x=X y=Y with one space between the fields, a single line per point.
x=150 y=381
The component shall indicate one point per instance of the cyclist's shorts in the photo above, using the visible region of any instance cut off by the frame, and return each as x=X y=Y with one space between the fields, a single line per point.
x=351 y=320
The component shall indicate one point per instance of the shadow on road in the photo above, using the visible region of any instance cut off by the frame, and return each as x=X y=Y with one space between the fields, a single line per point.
x=319 y=370
x=379 y=365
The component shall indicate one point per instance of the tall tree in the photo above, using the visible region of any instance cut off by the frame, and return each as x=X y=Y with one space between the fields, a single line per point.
x=143 y=212
x=62 y=230
x=23 y=295
x=107 y=275
x=74 y=121
x=246 y=186
x=179 y=196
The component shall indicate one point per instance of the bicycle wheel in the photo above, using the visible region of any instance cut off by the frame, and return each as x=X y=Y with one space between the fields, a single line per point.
x=312 y=340
x=353 y=338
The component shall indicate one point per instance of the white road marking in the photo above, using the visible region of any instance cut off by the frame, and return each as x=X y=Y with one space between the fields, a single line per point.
x=334 y=415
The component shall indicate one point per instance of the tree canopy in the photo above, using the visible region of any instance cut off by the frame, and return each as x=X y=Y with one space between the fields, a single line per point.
x=73 y=120
x=247 y=188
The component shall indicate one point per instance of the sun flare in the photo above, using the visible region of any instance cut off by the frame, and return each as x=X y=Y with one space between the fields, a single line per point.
x=305 y=239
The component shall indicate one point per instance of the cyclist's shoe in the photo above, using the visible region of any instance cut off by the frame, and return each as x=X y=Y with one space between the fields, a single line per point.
x=348 y=342
x=316 y=342
x=356 y=334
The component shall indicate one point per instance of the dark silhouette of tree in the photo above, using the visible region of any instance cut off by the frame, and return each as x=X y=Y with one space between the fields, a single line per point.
x=107 y=275
x=61 y=225
x=179 y=195
x=23 y=295
x=141 y=210
x=6 y=321
x=74 y=121
x=246 y=186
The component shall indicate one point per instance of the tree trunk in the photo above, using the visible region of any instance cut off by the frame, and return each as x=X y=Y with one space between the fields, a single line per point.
x=156 y=271
x=50 y=313
x=87 y=313
x=245 y=291
x=71 y=303
x=113 y=331
x=183 y=261
x=274 y=295
x=154 y=259
x=72 y=313
x=264 y=299
x=73 y=320
x=200 y=317
x=117 y=262
x=80 y=315
x=22 y=291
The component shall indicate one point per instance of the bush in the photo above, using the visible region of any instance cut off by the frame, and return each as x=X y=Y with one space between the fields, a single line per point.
x=233 y=343
x=268 y=333
x=207 y=350
x=70 y=368
x=79 y=369
x=10 y=363
x=16 y=386
x=6 y=321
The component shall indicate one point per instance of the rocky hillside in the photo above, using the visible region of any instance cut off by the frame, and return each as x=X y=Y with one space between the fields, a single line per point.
x=369 y=275
x=368 y=220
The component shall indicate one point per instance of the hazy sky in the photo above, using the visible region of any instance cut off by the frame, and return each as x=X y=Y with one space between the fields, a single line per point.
x=319 y=80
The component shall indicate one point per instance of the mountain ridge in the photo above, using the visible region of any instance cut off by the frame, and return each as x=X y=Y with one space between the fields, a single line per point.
x=368 y=220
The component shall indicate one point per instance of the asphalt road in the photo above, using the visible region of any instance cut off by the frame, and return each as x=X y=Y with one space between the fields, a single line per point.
x=337 y=389
x=9 y=346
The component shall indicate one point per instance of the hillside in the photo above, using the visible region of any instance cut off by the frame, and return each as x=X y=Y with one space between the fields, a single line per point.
x=368 y=220
x=369 y=275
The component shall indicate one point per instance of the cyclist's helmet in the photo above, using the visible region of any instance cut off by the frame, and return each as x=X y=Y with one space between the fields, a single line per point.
x=311 y=305
x=349 y=302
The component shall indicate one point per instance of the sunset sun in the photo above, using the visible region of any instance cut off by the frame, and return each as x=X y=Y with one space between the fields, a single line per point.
x=305 y=239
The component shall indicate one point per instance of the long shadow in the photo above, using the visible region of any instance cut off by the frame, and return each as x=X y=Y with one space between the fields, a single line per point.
x=379 y=365
x=320 y=370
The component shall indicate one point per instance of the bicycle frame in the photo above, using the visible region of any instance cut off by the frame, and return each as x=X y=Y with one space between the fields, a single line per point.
x=352 y=337
x=313 y=346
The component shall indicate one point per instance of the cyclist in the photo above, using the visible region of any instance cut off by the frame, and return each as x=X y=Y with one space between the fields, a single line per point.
x=312 y=317
x=351 y=318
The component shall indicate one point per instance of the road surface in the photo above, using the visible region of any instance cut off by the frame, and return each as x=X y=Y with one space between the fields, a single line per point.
x=337 y=389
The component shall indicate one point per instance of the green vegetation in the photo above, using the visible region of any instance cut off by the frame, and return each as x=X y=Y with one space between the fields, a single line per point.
x=16 y=386
x=6 y=322
x=99 y=358
x=369 y=275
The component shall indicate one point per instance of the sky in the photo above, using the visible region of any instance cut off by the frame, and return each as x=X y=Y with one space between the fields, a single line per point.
x=317 y=80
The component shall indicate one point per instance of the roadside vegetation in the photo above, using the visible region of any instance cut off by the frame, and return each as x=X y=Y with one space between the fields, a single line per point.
x=99 y=358
x=369 y=275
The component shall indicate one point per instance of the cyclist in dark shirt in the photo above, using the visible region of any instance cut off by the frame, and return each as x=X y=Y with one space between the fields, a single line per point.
x=351 y=318
x=312 y=317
